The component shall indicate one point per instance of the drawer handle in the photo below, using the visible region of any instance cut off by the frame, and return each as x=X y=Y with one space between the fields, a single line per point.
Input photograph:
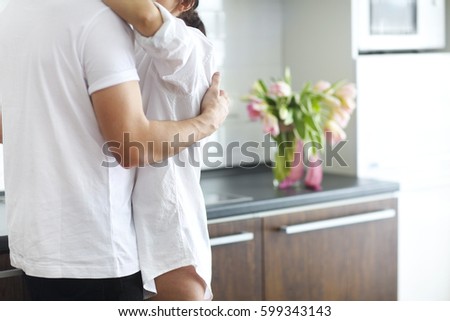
x=342 y=221
x=10 y=273
x=232 y=239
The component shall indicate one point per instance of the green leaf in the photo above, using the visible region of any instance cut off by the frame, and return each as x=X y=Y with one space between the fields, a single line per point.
x=298 y=122
x=263 y=86
x=270 y=101
x=338 y=84
x=317 y=138
x=301 y=130
x=316 y=105
x=303 y=108
x=309 y=105
x=292 y=103
x=306 y=89
x=287 y=76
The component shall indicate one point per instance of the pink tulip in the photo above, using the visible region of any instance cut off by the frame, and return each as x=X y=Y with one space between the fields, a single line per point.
x=255 y=107
x=347 y=95
x=332 y=102
x=347 y=91
x=321 y=86
x=314 y=174
x=348 y=104
x=280 y=89
x=270 y=123
x=253 y=113
x=334 y=133
x=342 y=117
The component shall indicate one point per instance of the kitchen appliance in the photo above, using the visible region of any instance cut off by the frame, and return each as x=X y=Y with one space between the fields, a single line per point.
x=399 y=25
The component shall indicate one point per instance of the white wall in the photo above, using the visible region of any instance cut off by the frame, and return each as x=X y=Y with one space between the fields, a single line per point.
x=248 y=36
x=317 y=44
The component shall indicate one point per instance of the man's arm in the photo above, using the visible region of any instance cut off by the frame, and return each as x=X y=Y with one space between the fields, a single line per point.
x=143 y=15
x=124 y=125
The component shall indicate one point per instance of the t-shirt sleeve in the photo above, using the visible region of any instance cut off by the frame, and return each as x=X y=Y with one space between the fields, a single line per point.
x=108 y=54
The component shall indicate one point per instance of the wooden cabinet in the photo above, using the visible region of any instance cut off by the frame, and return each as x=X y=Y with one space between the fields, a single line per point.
x=12 y=286
x=237 y=260
x=337 y=252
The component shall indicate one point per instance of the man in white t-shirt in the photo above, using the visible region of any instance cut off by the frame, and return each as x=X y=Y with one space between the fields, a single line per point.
x=68 y=84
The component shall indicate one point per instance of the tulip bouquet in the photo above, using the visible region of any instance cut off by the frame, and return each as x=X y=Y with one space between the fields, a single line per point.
x=316 y=114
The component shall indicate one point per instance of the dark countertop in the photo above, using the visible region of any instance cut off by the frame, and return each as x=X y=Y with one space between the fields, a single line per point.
x=255 y=192
x=256 y=183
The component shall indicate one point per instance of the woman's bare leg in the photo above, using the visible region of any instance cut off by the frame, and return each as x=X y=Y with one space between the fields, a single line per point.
x=183 y=284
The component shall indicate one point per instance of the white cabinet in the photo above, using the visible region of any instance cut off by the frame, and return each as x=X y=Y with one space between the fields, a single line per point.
x=403 y=108
x=424 y=244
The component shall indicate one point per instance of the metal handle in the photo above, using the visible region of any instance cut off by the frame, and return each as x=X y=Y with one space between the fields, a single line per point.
x=342 y=221
x=10 y=273
x=231 y=239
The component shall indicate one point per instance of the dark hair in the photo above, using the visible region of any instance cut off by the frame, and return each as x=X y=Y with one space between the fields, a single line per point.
x=192 y=19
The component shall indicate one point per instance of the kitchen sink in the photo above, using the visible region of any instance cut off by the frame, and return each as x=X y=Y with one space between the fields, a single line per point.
x=225 y=198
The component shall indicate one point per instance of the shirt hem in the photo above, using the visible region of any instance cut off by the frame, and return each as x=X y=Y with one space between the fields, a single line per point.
x=119 y=78
x=73 y=272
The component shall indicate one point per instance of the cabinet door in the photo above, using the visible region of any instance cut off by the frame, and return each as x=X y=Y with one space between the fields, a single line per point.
x=11 y=281
x=339 y=253
x=236 y=260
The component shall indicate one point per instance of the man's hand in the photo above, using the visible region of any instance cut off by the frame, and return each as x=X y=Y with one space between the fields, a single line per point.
x=215 y=104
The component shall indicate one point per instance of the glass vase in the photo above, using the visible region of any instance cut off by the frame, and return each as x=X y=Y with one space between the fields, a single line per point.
x=288 y=166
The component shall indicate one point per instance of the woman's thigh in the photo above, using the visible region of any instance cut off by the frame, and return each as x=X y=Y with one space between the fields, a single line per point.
x=183 y=284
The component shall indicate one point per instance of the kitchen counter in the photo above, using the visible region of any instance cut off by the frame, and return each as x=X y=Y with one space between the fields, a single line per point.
x=237 y=191
x=254 y=187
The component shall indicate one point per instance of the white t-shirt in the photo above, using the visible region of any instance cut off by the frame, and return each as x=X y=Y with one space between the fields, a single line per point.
x=69 y=216
x=175 y=67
